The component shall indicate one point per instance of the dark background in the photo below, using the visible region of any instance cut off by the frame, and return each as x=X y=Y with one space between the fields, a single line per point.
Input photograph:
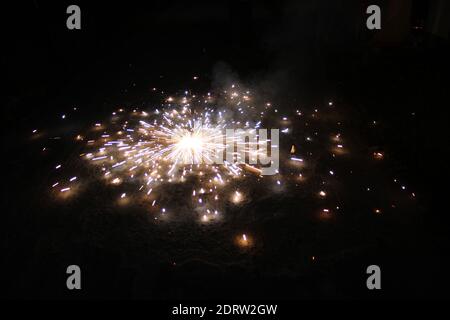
x=307 y=49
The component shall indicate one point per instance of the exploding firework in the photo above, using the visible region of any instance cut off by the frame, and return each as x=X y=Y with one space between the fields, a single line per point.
x=145 y=154
x=183 y=140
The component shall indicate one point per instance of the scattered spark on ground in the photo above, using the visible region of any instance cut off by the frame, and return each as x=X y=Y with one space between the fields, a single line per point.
x=143 y=152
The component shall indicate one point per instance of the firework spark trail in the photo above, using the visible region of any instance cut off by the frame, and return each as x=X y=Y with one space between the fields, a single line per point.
x=175 y=142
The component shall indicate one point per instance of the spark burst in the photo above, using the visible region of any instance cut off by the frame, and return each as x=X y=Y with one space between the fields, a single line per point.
x=143 y=153
x=174 y=144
